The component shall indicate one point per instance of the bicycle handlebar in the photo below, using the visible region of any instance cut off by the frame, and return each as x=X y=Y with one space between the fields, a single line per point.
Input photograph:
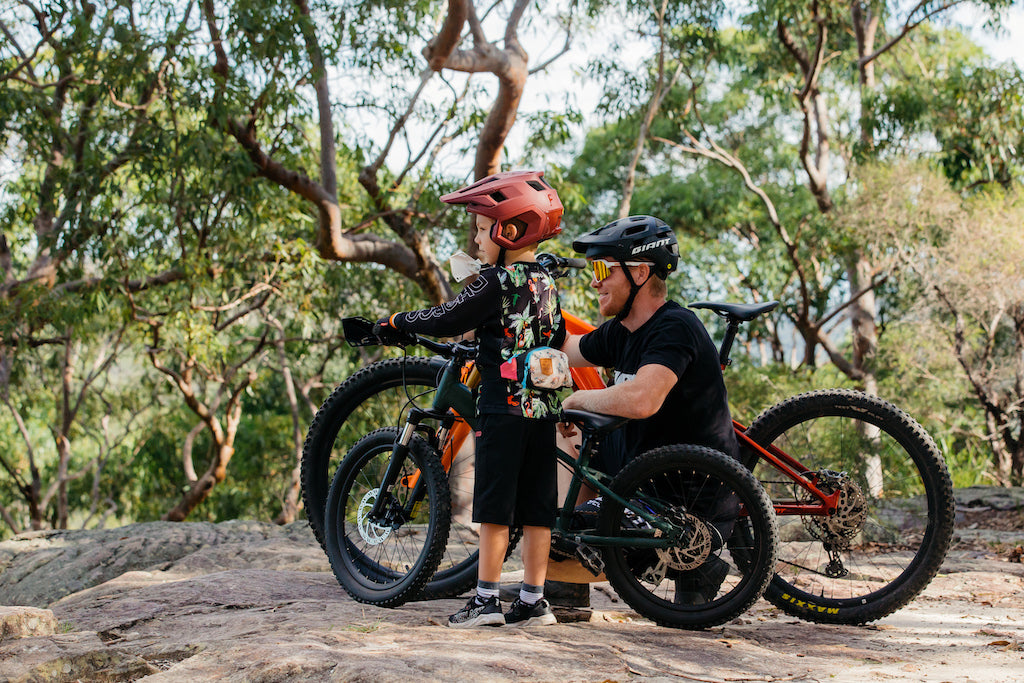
x=359 y=332
x=558 y=266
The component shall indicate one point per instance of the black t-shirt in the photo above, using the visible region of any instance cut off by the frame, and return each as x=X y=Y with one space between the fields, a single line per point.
x=696 y=410
x=513 y=309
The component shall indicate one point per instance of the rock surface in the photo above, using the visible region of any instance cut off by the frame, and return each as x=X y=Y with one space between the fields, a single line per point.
x=245 y=601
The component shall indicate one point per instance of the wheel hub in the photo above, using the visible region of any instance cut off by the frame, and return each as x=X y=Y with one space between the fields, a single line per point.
x=373 y=534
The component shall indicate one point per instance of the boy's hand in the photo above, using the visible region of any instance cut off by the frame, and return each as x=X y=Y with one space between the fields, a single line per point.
x=391 y=336
x=567 y=429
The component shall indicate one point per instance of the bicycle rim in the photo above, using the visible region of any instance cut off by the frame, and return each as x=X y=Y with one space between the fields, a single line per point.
x=895 y=517
x=377 y=396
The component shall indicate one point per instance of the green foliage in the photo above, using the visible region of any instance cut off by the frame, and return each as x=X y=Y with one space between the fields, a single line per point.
x=972 y=107
x=122 y=184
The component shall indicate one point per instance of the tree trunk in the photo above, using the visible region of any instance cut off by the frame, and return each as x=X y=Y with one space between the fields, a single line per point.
x=292 y=496
x=201 y=490
x=863 y=330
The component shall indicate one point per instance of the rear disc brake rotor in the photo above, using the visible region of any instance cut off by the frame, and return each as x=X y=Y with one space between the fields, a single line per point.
x=851 y=511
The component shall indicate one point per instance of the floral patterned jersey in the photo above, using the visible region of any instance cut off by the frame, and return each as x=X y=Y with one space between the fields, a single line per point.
x=512 y=308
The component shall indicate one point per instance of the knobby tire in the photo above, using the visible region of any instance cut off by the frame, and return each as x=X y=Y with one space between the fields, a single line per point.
x=906 y=526
x=378 y=396
x=387 y=564
x=736 y=517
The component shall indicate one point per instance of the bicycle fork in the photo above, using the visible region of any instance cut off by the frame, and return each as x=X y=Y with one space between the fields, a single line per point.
x=385 y=511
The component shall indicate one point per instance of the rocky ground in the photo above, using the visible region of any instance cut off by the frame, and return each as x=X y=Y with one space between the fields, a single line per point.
x=244 y=601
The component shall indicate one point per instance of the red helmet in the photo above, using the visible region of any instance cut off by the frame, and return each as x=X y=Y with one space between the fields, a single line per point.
x=521 y=199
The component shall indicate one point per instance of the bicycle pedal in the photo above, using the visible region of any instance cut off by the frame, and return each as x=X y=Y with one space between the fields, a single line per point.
x=590 y=559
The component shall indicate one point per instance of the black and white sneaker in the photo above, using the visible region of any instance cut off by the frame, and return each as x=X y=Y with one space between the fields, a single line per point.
x=522 y=614
x=478 y=612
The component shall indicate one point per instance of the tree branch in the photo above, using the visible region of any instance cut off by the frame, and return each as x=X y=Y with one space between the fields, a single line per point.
x=908 y=26
x=441 y=45
x=824 y=320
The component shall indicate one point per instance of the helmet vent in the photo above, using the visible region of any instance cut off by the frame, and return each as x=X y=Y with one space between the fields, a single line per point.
x=498 y=196
x=536 y=185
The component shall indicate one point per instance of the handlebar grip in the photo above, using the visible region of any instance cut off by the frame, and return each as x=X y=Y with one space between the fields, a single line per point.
x=577 y=263
x=560 y=263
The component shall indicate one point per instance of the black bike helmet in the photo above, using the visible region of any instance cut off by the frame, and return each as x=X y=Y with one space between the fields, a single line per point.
x=634 y=238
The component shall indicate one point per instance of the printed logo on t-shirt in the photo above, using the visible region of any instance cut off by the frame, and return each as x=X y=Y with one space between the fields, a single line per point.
x=623 y=376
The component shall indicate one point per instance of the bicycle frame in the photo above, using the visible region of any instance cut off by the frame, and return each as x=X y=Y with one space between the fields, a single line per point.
x=589 y=378
x=595 y=479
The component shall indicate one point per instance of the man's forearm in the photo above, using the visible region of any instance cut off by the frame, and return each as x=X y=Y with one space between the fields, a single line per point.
x=610 y=401
x=636 y=399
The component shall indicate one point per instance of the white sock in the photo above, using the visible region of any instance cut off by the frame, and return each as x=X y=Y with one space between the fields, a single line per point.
x=530 y=595
x=486 y=590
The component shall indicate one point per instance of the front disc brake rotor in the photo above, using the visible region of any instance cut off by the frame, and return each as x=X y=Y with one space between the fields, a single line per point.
x=373 y=534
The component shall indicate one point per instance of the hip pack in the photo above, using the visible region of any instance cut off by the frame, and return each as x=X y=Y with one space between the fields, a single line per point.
x=542 y=368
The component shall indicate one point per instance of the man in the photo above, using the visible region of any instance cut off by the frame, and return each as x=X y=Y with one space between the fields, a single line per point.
x=667 y=376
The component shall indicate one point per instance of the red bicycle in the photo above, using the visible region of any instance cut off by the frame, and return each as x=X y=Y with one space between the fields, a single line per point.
x=862 y=494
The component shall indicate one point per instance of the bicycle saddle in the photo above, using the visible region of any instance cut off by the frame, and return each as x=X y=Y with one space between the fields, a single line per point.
x=594 y=423
x=740 y=312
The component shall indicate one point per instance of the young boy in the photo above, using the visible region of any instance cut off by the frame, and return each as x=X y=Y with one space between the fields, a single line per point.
x=512 y=306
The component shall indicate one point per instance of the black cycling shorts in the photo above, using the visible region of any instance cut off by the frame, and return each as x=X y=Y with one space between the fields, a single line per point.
x=610 y=455
x=515 y=471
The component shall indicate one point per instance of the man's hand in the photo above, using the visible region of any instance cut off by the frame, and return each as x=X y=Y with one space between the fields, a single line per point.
x=572 y=401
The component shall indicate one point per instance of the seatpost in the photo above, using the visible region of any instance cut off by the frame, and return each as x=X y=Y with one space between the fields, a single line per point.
x=730 y=337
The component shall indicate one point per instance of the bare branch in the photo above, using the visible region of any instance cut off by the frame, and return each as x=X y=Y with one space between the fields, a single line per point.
x=30 y=452
x=258 y=288
x=9 y=520
x=512 y=27
x=328 y=152
x=909 y=25
x=400 y=122
x=565 y=47
x=824 y=320
x=186 y=453
x=160 y=279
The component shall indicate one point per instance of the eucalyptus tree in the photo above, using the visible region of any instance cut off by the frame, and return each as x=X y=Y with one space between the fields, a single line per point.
x=790 y=96
x=959 y=263
x=77 y=99
x=275 y=63
x=155 y=155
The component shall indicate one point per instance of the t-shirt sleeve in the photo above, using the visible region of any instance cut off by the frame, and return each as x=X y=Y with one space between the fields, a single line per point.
x=475 y=304
x=673 y=344
x=601 y=347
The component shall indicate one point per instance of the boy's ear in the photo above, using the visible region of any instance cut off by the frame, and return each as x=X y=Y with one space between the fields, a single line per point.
x=509 y=231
